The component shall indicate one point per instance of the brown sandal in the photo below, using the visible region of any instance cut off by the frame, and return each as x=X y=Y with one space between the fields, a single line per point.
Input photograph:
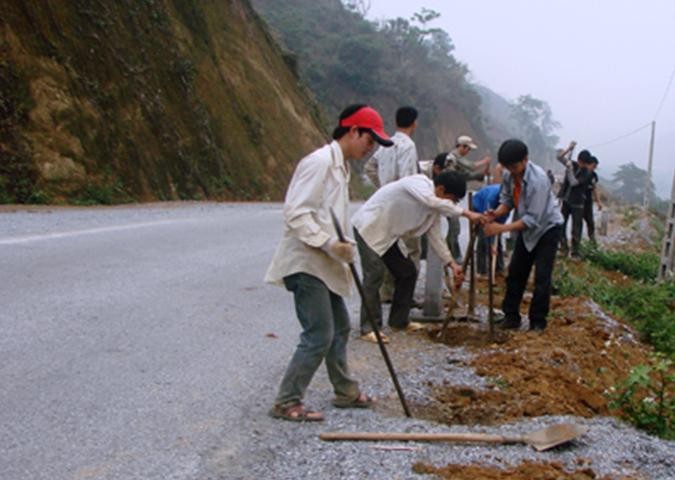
x=361 y=401
x=295 y=413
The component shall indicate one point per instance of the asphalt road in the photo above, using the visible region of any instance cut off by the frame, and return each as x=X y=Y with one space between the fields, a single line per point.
x=133 y=339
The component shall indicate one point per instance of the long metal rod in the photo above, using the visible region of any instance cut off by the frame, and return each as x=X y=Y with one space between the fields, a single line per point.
x=471 y=309
x=492 y=263
x=373 y=323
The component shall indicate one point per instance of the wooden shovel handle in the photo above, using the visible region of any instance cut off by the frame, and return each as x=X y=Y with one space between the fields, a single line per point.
x=417 y=437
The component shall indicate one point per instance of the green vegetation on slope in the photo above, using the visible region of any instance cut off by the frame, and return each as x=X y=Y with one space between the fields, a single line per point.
x=345 y=58
x=639 y=265
x=649 y=306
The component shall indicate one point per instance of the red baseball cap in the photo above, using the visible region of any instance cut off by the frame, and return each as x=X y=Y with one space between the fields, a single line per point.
x=368 y=117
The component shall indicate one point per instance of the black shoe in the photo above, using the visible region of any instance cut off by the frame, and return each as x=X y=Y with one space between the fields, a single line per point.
x=510 y=323
x=538 y=326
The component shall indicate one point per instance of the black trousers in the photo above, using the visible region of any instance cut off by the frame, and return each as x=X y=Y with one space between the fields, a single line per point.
x=452 y=238
x=543 y=259
x=590 y=220
x=577 y=214
x=405 y=276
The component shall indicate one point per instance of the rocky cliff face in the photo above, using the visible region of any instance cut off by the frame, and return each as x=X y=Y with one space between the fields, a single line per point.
x=143 y=100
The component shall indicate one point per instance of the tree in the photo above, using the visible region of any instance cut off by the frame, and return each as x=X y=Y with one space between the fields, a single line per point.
x=631 y=181
x=362 y=7
x=537 y=125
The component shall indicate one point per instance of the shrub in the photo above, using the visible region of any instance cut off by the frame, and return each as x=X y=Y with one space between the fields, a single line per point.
x=646 y=397
x=641 y=266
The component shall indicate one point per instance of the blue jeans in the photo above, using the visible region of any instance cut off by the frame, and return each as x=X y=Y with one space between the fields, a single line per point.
x=325 y=331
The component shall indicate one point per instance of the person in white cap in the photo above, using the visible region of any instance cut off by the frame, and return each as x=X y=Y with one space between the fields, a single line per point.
x=456 y=161
x=311 y=262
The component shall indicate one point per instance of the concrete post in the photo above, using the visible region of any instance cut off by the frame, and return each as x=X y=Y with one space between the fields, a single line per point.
x=433 y=287
x=666 y=265
x=604 y=223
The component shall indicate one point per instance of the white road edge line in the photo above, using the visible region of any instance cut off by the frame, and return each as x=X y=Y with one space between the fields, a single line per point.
x=92 y=231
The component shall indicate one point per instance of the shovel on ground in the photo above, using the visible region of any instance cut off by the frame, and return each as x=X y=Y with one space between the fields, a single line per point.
x=540 y=440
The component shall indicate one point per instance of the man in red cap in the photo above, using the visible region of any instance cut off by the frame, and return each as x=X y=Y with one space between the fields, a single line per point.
x=312 y=263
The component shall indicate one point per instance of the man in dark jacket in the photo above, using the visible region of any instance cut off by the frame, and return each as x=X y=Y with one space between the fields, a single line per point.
x=573 y=192
x=590 y=198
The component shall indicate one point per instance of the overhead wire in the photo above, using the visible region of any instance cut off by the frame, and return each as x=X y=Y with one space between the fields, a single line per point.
x=656 y=114
x=621 y=137
x=665 y=94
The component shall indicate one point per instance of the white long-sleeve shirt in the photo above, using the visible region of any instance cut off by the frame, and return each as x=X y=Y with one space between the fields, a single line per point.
x=320 y=182
x=395 y=162
x=407 y=207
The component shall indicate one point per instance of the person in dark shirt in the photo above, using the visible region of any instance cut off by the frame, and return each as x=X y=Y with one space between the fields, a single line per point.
x=590 y=198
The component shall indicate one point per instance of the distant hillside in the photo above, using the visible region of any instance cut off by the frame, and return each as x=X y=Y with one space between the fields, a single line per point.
x=344 y=58
x=502 y=117
x=499 y=121
x=127 y=100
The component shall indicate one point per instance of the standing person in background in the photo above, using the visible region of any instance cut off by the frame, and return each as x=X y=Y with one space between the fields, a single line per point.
x=390 y=164
x=311 y=262
x=527 y=188
x=591 y=196
x=456 y=161
x=576 y=181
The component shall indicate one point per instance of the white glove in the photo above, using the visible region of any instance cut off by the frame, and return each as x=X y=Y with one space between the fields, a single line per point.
x=341 y=251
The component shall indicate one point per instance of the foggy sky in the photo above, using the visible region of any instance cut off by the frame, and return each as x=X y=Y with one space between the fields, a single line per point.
x=603 y=66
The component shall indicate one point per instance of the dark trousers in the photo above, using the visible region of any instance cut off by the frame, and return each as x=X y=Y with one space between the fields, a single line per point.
x=405 y=276
x=590 y=220
x=483 y=246
x=577 y=214
x=543 y=259
x=452 y=238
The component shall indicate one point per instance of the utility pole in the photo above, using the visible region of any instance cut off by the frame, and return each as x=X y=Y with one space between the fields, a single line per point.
x=645 y=201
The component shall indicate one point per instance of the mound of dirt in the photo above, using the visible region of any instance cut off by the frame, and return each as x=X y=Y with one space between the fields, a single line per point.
x=569 y=369
x=524 y=471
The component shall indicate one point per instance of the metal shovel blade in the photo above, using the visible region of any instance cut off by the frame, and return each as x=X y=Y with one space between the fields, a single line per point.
x=540 y=440
x=552 y=436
